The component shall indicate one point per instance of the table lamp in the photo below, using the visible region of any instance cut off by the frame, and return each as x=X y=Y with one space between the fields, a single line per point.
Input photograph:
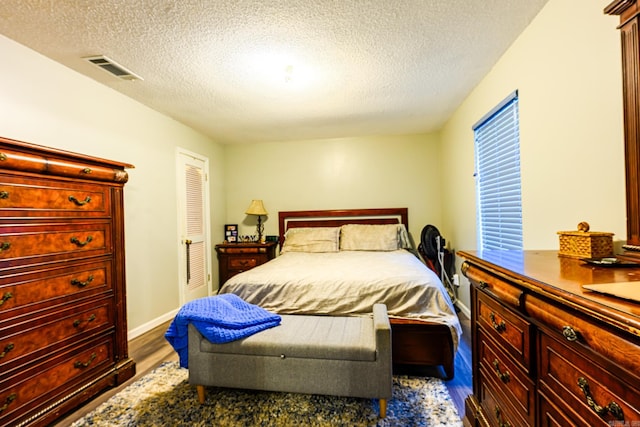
x=257 y=208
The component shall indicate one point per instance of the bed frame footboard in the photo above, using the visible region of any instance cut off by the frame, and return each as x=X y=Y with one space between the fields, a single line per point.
x=424 y=344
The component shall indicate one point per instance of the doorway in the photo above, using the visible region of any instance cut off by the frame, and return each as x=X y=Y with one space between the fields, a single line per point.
x=194 y=266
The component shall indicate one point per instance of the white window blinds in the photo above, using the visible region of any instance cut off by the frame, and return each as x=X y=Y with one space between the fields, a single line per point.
x=499 y=198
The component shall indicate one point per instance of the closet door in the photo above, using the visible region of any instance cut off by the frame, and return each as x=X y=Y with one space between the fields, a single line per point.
x=193 y=226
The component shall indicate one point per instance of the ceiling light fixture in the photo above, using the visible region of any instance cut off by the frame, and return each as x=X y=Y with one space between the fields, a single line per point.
x=288 y=73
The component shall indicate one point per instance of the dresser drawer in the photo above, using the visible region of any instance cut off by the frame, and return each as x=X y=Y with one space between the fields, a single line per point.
x=580 y=384
x=54 y=165
x=25 y=244
x=28 y=292
x=513 y=384
x=510 y=331
x=28 y=197
x=238 y=263
x=551 y=416
x=240 y=249
x=243 y=263
x=576 y=330
x=495 y=410
x=502 y=290
x=25 y=340
x=28 y=391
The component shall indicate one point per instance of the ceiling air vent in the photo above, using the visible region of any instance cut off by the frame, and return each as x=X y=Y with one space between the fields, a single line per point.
x=112 y=67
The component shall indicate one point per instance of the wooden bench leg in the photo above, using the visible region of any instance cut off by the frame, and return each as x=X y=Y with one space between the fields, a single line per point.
x=383 y=408
x=200 y=389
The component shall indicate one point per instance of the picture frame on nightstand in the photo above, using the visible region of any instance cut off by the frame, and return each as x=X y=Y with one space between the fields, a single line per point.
x=231 y=233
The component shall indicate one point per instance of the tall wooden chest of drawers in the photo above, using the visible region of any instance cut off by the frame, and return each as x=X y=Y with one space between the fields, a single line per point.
x=546 y=352
x=63 y=328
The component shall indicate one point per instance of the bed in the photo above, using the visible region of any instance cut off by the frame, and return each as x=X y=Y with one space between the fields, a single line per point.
x=341 y=262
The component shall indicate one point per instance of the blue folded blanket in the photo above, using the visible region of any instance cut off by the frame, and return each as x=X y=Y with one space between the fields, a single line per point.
x=220 y=319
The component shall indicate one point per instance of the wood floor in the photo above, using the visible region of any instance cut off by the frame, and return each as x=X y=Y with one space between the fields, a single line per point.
x=151 y=349
x=461 y=386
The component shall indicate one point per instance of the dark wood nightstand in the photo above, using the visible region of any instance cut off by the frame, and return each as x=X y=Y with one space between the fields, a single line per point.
x=234 y=258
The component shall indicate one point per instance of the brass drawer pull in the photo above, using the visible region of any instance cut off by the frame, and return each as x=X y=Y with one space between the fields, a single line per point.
x=504 y=376
x=4 y=246
x=483 y=285
x=8 y=401
x=7 y=349
x=500 y=327
x=569 y=333
x=79 y=364
x=612 y=408
x=4 y=194
x=87 y=171
x=6 y=297
x=77 y=241
x=78 y=283
x=78 y=322
x=3 y=157
x=80 y=202
x=501 y=422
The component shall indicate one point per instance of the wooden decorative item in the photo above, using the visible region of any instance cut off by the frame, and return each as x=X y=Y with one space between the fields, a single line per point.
x=585 y=244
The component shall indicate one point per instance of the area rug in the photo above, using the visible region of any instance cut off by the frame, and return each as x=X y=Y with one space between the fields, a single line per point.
x=165 y=398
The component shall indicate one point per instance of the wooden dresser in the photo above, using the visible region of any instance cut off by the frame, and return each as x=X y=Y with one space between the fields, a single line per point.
x=234 y=258
x=63 y=327
x=545 y=351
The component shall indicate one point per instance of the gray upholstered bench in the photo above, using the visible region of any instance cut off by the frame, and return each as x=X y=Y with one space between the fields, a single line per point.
x=340 y=356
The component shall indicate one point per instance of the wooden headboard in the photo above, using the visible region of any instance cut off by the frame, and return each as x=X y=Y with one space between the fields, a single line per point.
x=338 y=217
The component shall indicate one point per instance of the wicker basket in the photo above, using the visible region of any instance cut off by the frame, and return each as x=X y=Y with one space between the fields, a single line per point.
x=585 y=244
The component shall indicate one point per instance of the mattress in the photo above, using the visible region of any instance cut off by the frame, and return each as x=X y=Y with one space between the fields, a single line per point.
x=348 y=283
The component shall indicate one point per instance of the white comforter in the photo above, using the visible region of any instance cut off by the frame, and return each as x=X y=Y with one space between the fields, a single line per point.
x=347 y=283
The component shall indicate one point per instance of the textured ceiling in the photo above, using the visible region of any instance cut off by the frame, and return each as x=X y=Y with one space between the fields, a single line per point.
x=254 y=71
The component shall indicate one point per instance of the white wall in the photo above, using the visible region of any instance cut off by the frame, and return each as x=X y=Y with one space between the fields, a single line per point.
x=344 y=173
x=44 y=103
x=567 y=68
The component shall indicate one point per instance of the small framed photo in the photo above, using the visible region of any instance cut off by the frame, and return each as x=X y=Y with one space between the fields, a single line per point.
x=231 y=233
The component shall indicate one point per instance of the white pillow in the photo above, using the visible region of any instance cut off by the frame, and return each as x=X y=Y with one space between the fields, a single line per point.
x=311 y=239
x=370 y=237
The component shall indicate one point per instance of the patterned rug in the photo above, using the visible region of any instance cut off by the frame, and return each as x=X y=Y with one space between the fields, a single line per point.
x=165 y=398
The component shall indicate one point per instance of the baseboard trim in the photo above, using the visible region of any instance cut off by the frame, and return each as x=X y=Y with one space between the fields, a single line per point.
x=464 y=309
x=136 y=332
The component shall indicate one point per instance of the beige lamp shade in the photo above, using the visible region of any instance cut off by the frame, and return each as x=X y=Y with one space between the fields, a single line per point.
x=256 y=208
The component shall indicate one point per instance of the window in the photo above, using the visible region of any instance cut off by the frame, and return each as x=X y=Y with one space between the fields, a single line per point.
x=497 y=144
